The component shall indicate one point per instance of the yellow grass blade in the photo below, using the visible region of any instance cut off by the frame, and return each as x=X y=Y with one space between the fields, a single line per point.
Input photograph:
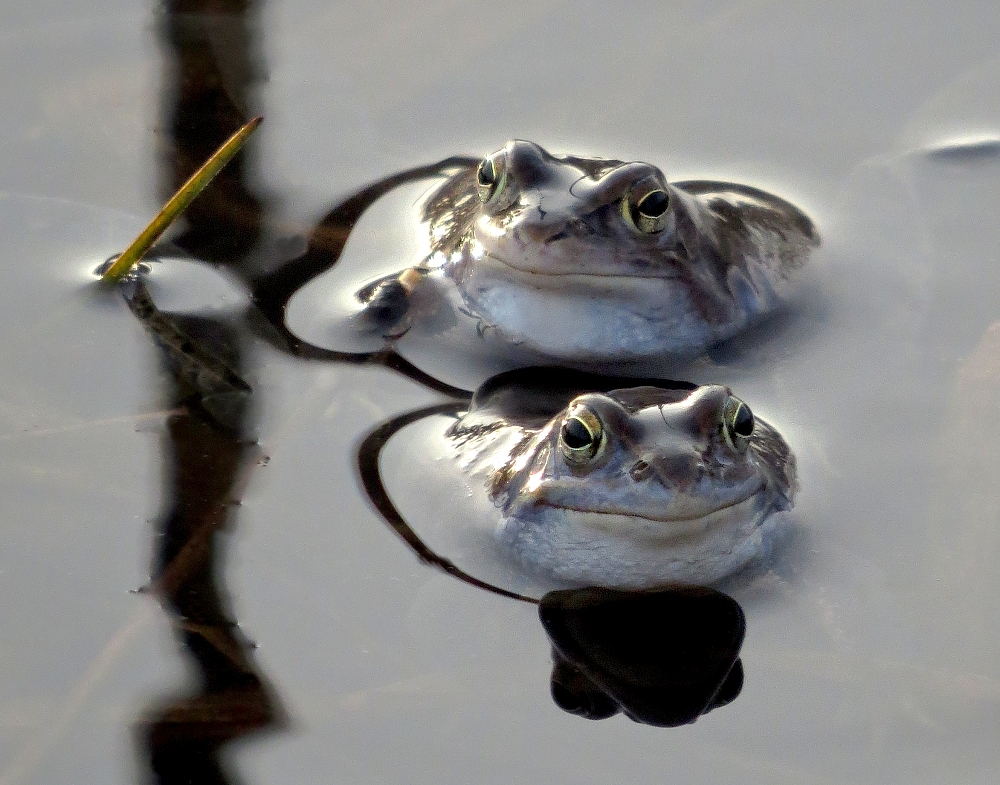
x=178 y=203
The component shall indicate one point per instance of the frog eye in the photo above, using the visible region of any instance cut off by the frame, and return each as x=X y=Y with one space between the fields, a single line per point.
x=737 y=424
x=581 y=437
x=645 y=206
x=492 y=182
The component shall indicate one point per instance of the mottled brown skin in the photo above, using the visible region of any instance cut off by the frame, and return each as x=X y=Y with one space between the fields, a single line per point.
x=558 y=243
x=667 y=496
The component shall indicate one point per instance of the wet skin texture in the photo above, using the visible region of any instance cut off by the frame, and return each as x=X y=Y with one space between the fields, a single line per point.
x=587 y=259
x=631 y=487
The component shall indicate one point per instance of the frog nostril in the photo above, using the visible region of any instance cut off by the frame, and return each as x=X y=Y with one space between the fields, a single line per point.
x=640 y=470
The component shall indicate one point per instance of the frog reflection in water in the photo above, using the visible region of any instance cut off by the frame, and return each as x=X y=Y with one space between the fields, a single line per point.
x=589 y=260
x=629 y=488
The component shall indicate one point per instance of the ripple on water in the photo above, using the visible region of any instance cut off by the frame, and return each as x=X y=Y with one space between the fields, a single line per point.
x=970 y=149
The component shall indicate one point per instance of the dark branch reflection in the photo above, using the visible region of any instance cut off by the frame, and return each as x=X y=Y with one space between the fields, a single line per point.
x=213 y=66
x=212 y=70
x=209 y=452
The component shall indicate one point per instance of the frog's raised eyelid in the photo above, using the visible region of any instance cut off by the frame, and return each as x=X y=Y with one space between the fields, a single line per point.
x=576 y=183
x=615 y=183
x=664 y=418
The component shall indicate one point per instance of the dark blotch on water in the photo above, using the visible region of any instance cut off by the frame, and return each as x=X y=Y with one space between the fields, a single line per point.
x=661 y=657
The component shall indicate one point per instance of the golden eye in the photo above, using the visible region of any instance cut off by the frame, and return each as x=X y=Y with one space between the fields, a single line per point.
x=581 y=437
x=737 y=424
x=645 y=206
x=492 y=182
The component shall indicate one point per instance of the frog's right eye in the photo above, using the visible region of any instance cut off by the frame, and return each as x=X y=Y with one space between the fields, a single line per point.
x=645 y=206
x=581 y=437
x=737 y=424
x=492 y=183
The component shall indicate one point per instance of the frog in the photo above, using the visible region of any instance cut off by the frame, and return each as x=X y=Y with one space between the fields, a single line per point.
x=584 y=261
x=631 y=487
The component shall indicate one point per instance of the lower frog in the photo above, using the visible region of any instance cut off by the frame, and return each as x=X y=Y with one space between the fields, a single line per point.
x=586 y=260
x=631 y=487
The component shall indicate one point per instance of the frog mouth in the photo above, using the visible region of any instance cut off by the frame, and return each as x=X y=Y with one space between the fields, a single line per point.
x=659 y=528
x=534 y=273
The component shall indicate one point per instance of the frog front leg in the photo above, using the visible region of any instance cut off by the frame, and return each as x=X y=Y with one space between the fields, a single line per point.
x=387 y=300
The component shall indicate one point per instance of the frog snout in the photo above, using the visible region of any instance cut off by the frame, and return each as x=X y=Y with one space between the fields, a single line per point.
x=543 y=232
x=672 y=469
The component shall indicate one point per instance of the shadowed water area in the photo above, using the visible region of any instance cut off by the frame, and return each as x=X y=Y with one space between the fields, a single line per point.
x=231 y=552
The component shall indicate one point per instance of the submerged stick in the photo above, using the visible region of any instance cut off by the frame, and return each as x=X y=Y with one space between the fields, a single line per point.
x=178 y=203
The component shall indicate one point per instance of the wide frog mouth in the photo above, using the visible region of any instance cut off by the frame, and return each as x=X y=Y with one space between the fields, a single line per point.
x=533 y=273
x=683 y=519
x=634 y=486
x=548 y=216
x=647 y=464
x=567 y=249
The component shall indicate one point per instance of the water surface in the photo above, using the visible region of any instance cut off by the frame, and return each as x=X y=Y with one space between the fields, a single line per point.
x=871 y=647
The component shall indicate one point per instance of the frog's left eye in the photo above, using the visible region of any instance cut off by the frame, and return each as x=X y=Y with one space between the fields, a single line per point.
x=737 y=424
x=492 y=183
x=581 y=437
x=645 y=206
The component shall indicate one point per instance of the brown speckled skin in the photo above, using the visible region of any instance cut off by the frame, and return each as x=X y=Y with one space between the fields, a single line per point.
x=666 y=497
x=725 y=256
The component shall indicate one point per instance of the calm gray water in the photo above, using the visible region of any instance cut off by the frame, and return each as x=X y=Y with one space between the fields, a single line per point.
x=871 y=652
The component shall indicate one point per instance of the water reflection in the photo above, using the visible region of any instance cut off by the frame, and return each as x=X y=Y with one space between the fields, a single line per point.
x=969 y=150
x=611 y=650
x=370 y=473
x=209 y=452
x=889 y=418
x=212 y=69
x=213 y=66
x=660 y=657
x=273 y=290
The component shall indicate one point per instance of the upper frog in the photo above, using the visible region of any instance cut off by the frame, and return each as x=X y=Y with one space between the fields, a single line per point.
x=588 y=259
x=629 y=487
